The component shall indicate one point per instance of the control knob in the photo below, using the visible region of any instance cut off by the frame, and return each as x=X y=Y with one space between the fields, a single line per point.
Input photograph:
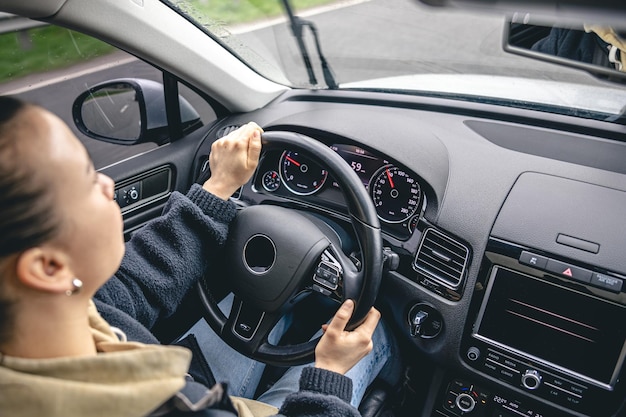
x=531 y=379
x=133 y=194
x=465 y=402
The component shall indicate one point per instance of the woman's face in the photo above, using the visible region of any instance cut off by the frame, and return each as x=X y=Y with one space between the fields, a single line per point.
x=92 y=228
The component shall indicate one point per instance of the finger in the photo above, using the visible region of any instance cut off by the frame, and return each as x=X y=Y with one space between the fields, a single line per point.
x=254 y=146
x=255 y=126
x=371 y=321
x=342 y=316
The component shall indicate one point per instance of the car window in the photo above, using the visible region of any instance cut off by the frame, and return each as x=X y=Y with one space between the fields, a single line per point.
x=50 y=66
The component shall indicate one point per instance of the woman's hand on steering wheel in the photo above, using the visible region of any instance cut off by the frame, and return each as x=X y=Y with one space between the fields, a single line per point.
x=339 y=350
x=233 y=160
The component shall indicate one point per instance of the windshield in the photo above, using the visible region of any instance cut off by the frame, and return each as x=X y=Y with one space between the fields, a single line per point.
x=398 y=45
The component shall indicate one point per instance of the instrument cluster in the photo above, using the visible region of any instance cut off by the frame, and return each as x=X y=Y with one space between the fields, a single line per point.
x=395 y=192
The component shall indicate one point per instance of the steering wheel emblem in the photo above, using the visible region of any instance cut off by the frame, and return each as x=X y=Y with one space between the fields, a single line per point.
x=259 y=254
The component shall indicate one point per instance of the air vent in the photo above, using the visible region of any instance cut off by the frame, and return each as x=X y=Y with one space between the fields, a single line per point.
x=226 y=130
x=441 y=258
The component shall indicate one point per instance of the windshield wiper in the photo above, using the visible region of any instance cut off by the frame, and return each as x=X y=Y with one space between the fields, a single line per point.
x=297 y=25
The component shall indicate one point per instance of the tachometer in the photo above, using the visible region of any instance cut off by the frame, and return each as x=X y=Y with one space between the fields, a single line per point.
x=395 y=193
x=300 y=174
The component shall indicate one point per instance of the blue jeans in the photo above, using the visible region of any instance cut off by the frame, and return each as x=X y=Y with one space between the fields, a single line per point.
x=243 y=374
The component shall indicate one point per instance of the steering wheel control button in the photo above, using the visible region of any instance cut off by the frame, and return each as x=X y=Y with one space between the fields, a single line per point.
x=531 y=379
x=424 y=321
x=328 y=272
x=327 y=275
x=569 y=271
x=321 y=290
x=530 y=259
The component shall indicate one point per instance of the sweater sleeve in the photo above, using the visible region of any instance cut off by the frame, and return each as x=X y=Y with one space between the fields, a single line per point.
x=167 y=256
x=322 y=394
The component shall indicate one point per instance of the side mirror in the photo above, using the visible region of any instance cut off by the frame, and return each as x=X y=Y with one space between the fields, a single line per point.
x=590 y=48
x=129 y=111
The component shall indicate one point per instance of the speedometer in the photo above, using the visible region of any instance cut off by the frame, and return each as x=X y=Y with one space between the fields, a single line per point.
x=395 y=193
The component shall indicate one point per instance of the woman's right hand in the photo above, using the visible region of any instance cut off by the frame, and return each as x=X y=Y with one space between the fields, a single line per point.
x=339 y=350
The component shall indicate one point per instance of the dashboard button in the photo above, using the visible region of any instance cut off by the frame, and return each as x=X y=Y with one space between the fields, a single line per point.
x=530 y=259
x=569 y=271
x=607 y=282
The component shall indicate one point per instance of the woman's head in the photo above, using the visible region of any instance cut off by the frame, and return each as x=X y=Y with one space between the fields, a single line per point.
x=58 y=219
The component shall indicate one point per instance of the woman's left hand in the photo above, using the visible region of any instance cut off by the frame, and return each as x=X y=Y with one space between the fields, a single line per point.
x=233 y=160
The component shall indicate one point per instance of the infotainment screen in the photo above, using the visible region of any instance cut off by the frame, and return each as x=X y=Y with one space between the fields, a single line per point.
x=569 y=330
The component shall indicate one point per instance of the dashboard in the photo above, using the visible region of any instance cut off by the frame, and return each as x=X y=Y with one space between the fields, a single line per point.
x=397 y=193
x=510 y=255
x=509 y=294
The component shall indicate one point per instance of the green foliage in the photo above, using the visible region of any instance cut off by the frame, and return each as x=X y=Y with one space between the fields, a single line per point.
x=241 y=11
x=45 y=48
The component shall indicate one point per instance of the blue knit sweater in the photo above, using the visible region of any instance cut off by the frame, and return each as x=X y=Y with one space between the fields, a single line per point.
x=164 y=259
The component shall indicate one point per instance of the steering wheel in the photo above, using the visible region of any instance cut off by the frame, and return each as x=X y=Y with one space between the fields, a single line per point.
x=274 y=255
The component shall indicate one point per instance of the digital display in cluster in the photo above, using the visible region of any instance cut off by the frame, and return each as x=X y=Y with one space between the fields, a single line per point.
x=361 y=161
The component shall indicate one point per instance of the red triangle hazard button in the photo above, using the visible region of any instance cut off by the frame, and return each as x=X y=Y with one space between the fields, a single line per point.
x=568 y=272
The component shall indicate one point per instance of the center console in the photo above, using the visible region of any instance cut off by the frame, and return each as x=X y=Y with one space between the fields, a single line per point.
x=542 y=345
x=546 y=335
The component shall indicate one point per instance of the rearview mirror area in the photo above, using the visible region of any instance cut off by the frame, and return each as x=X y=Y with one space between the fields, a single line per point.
x=599 y=50
x=610 y=12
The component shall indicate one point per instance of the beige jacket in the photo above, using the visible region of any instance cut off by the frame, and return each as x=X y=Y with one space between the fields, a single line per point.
x=126 y=379
x=616 y=43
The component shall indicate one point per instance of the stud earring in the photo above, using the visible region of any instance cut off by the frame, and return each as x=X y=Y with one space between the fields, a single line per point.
x=76 y=286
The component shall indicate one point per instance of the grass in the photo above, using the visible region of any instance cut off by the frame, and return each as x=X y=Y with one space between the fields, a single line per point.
x=239 y=11
x=50 y=47
x=45 y=48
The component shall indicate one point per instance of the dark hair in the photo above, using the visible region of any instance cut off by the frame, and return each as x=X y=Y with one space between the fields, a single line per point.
x=25 y=221
x=26 y=208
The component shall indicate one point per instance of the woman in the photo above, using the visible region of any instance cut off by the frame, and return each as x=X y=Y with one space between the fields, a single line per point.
x=62 y=246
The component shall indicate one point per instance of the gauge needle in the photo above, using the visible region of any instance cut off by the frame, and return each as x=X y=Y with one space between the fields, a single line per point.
x=390 y=180
x=293 y=161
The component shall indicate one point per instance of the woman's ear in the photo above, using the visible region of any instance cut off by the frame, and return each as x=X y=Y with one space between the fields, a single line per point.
x=44 y=269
